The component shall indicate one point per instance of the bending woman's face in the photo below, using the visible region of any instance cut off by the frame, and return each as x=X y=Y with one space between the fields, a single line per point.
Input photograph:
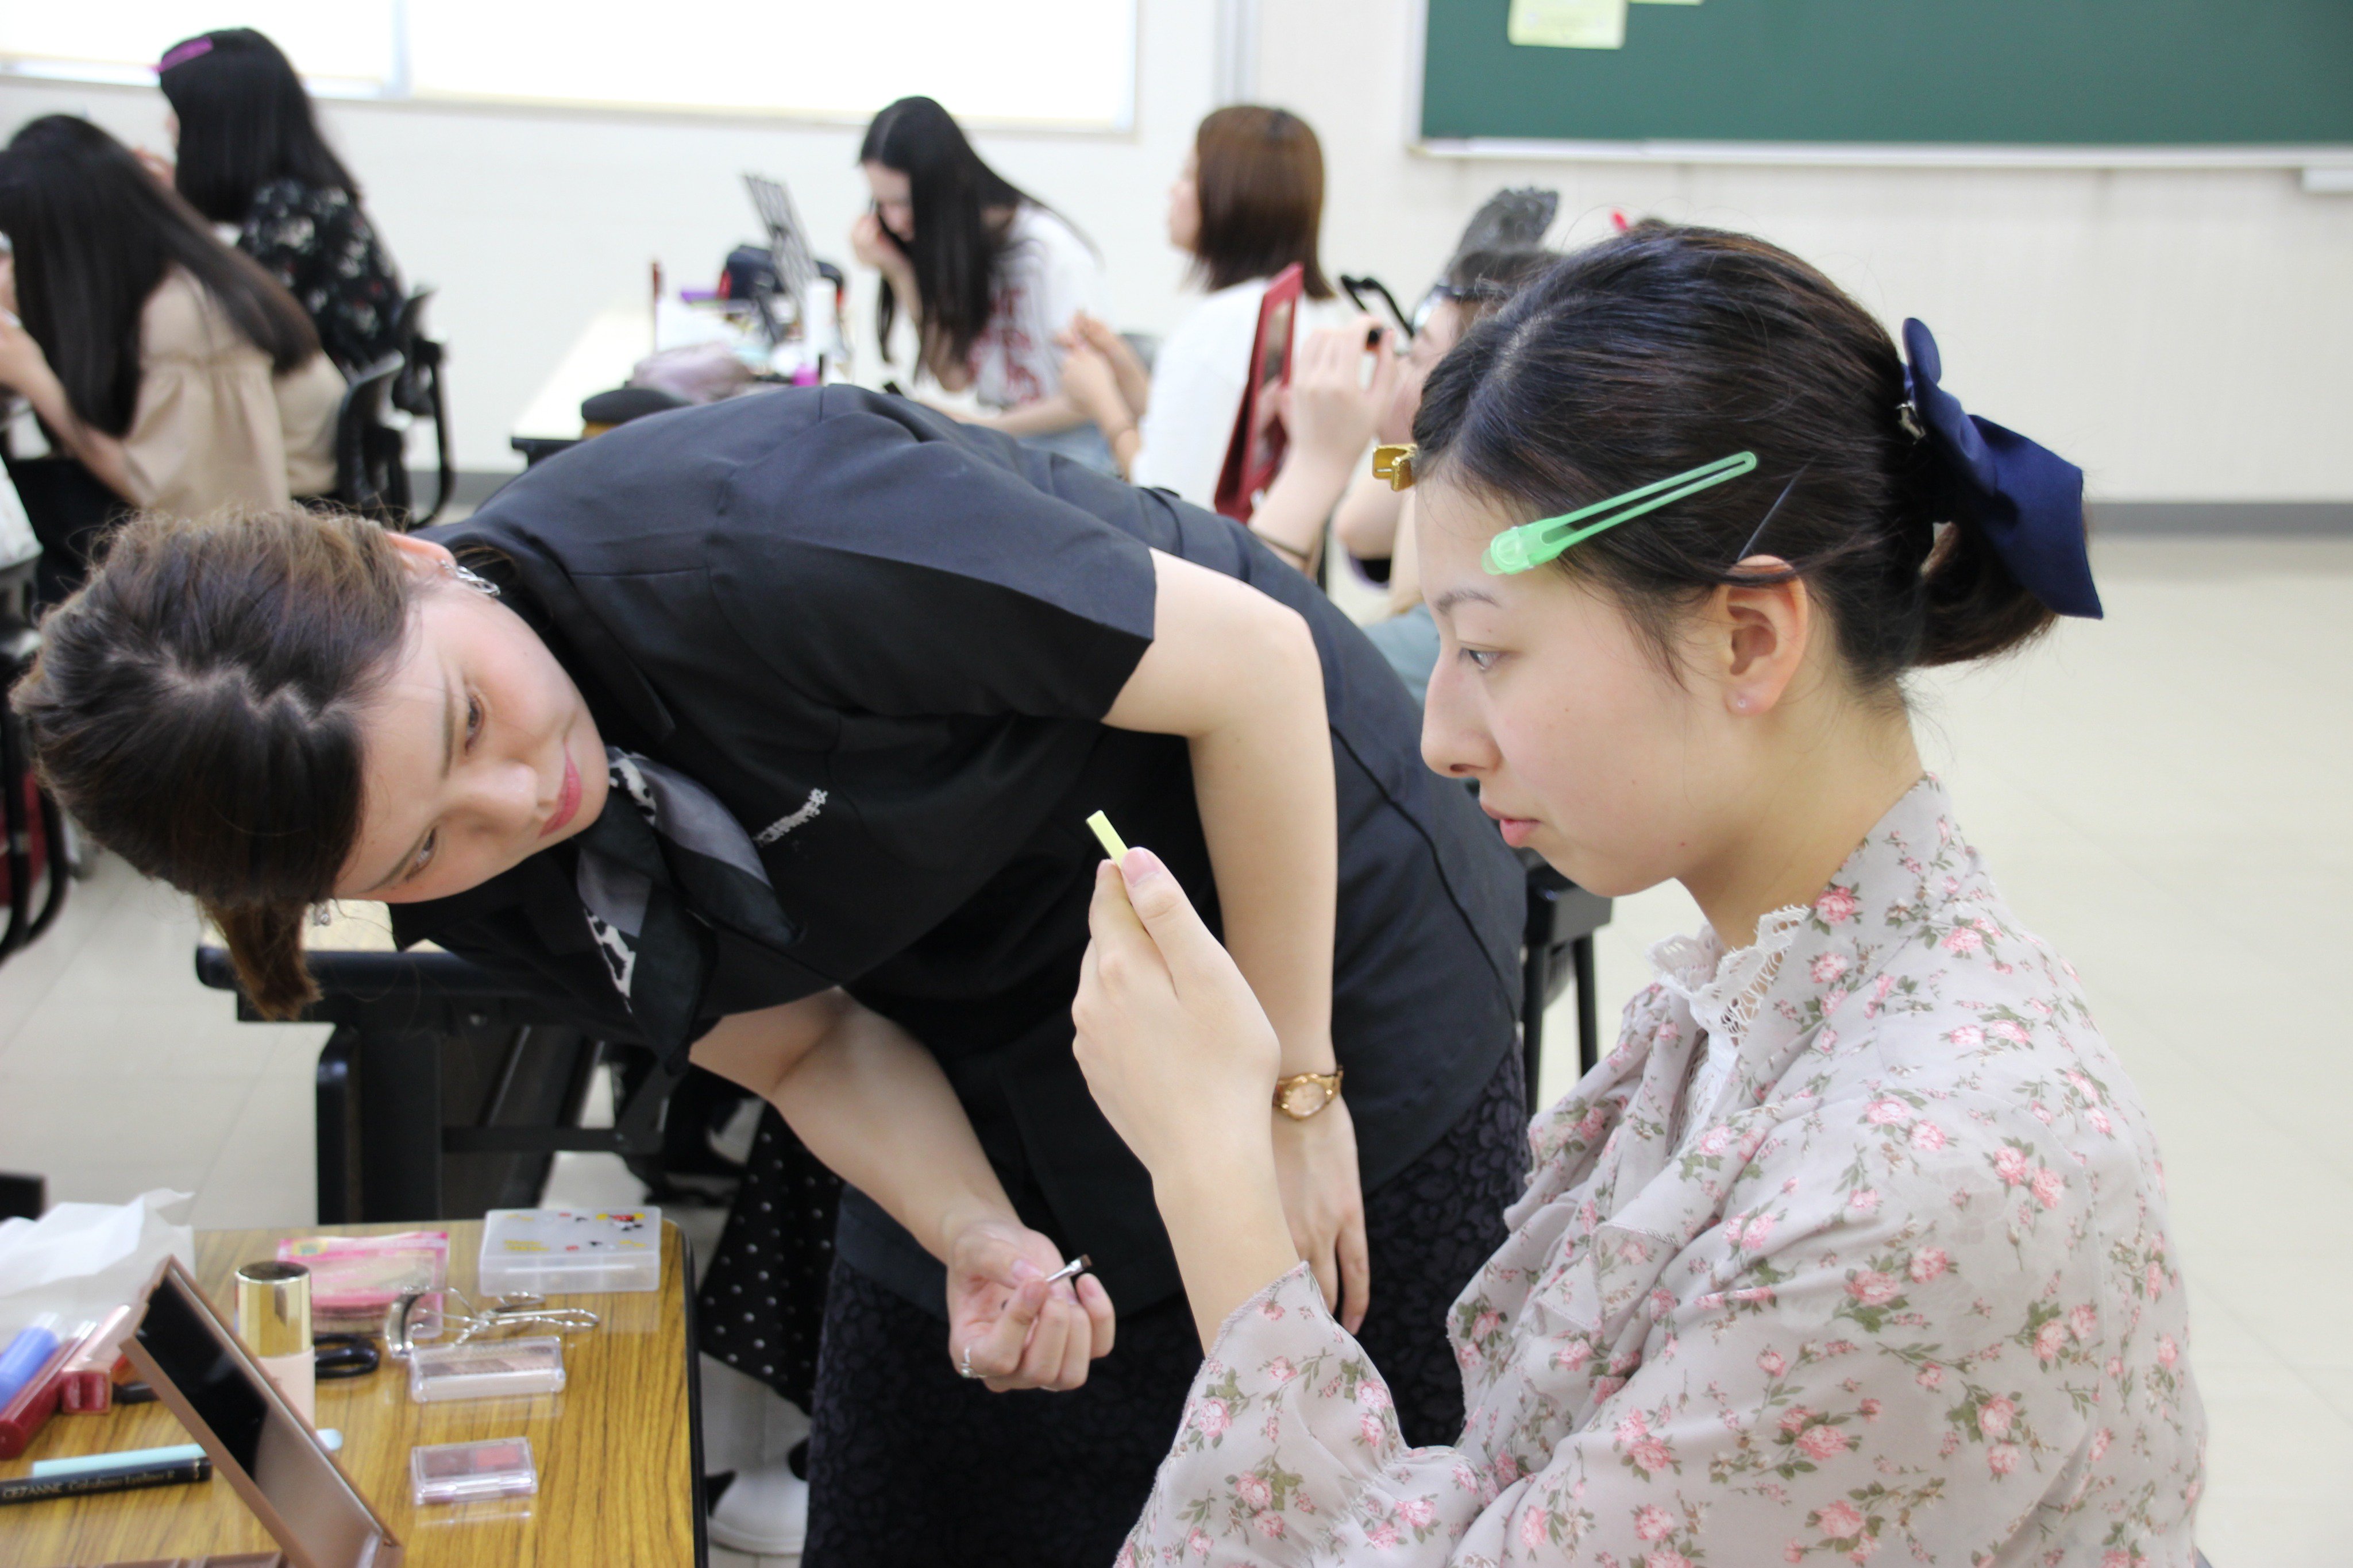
x=476 y=751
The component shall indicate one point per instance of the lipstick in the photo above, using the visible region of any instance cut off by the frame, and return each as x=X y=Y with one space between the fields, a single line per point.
x=567 y=798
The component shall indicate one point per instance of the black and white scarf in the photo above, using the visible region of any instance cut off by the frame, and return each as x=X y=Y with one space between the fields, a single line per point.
x=662 y=863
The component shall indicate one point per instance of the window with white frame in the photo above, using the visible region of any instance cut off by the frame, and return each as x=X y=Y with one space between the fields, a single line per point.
x=1053 y=64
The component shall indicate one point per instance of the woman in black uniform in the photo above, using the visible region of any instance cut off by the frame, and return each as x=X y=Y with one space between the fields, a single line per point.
x=772 y=727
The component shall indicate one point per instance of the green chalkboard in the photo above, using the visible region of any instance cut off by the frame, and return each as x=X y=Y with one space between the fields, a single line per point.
x=2070 y=73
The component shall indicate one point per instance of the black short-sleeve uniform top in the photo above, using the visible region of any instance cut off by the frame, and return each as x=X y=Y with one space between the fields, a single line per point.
x=886 y=642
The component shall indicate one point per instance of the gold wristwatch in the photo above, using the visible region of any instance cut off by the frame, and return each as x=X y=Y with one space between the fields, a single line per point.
x=1302 y=1095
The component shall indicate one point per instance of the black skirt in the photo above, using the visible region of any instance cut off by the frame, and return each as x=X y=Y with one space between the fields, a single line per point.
x=910 y=1463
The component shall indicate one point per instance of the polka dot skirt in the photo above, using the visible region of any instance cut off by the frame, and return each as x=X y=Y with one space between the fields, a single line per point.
x=763 y=1297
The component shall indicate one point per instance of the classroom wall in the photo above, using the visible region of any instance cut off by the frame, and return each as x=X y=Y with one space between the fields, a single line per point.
x=2179 y=333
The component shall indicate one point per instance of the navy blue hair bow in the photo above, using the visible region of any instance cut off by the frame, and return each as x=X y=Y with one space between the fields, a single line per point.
x=2028 y=499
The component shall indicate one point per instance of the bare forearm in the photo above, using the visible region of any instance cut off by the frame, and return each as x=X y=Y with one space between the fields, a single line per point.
x=1225 y=1224
x=1262 y=779
x=871 y=1103
x=1296 y=506
x=1405 y=564
x=94 y=449
x=1043 y=417
x=1367 y=520
x=875 y=1107
x=1127 y=445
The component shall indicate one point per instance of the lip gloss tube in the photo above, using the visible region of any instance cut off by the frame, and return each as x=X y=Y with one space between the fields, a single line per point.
x=273 y=1319
x=90 y=1371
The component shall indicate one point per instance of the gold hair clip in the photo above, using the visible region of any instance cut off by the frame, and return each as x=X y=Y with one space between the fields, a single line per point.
x=1395 y=464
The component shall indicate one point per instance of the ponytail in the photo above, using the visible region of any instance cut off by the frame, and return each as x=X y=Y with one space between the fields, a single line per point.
x=265 y=944
x=1973 y=608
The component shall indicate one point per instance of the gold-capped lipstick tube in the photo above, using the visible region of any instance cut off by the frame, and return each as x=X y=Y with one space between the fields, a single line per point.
x=273 y=1319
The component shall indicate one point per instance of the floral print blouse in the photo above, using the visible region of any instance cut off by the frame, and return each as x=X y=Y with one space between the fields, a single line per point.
x=1855 y=1243
x=320 y=245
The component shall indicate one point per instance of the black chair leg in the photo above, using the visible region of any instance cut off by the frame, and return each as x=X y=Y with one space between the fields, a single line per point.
x=336 y=1137
x=1588 y=1009
x=399 y=1081
x=1535 y=973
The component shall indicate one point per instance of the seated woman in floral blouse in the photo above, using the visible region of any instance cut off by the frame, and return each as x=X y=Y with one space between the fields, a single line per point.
x=250 y=157
x=1857 y=1241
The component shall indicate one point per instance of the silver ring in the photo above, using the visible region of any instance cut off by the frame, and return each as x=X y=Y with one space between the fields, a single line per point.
x=964 y=1367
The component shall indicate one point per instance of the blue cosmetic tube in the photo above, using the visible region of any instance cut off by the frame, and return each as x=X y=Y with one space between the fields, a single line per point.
x=27 y=1353
x=140 y=1459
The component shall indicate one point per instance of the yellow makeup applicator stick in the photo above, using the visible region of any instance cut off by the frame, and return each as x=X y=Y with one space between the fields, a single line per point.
x=1108 y=835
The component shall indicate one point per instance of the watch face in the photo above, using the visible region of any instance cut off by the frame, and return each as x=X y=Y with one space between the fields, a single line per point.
x=1305 y=1099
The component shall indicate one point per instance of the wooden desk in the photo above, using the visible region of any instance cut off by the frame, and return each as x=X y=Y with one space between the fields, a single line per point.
x=620 y=1469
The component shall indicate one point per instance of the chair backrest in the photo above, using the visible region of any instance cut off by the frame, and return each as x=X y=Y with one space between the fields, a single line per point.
x=371 y=466
x=419 y=391
x=34 y=851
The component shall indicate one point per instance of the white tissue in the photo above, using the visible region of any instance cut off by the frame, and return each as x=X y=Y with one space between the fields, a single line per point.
x=83 y=1260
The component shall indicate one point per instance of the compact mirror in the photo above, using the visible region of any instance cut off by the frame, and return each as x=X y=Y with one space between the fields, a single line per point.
x=270 y=1455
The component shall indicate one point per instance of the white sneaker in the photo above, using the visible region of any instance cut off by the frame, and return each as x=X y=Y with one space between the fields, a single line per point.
x=764 y=1512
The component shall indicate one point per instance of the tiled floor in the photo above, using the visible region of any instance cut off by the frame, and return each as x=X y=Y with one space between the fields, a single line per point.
x=2163 y=795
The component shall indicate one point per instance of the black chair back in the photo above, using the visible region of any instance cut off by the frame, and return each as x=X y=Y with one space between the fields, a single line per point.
x=418 y=391
x=371 y=456
x=68 y=510
x=34 y=854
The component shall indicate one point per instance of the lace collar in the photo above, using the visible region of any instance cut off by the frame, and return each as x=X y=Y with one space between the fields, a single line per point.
x=1724 y=991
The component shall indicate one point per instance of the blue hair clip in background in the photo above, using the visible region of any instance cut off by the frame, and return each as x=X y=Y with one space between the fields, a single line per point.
x=2028 y=499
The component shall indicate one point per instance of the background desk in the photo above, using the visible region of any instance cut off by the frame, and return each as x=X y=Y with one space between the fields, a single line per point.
x=620 y=1466
x=600 y=359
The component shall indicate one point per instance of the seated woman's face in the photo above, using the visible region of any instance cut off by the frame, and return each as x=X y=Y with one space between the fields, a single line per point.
x=894 y=200
x=1585 y=747
x=477 y=753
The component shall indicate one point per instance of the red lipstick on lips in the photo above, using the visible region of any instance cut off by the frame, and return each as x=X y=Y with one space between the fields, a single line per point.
x=567 y=798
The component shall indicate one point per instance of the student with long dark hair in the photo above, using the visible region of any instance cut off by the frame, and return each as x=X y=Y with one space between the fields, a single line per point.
x=1248 y=202
x=1856 y=1243
x=179 y=375
x=773 y=748
x=249 y=154
x=989 y=275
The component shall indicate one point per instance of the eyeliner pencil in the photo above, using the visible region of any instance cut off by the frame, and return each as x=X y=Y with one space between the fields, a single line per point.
x=36 y=1488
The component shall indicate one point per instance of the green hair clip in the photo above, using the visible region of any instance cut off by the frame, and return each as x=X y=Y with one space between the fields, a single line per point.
x=1534 y=544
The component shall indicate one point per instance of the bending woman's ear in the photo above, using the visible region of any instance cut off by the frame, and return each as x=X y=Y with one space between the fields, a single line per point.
x=423 y=558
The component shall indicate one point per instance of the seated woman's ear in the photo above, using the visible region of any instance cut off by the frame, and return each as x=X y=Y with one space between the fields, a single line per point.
x=1757 y=639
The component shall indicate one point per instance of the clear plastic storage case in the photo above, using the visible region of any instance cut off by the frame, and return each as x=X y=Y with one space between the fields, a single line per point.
x=555 y=1252
x=470 y=1472
x=487 y=1369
